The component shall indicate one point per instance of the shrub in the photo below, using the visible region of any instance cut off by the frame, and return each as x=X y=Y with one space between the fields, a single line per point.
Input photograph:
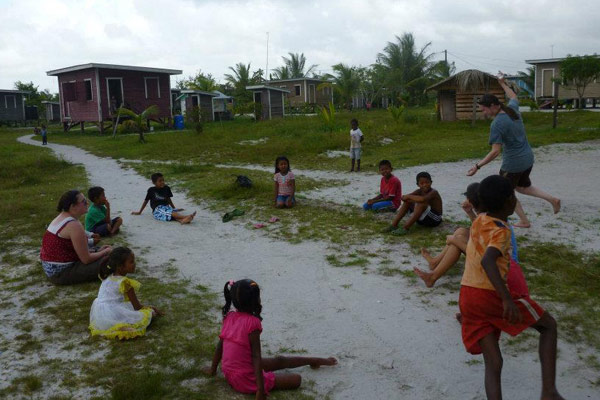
x=328 y=116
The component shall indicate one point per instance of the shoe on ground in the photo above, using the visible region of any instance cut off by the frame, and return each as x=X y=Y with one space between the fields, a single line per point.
x=389 y=229
x=399 y=232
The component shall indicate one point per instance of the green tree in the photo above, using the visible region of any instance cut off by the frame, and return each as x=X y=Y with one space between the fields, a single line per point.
x=141 y=119
x=442 y=70
x=200 y=81
x=406 y=68
x=282 y=72
x=35 y=97
x=528 y=76
x=345 y=81
x=580 y=71
x=372 y=82
x=242 y=77
x=294 y=67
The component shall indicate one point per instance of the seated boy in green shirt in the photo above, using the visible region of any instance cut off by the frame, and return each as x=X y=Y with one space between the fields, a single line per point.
x=97 y=219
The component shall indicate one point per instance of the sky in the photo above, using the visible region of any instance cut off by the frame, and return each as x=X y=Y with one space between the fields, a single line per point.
x=41 y=35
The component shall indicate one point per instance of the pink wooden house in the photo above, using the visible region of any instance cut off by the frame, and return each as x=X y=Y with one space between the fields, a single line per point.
x=93 y=92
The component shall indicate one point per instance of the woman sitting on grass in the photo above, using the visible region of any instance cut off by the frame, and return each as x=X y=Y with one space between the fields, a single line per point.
x=65 y=255
x=239 y=350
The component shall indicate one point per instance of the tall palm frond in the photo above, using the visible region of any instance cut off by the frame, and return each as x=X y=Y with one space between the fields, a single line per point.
x=140 y=119
x=296 y=65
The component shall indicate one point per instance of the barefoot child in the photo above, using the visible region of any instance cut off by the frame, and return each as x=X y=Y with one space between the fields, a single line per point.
x=162 y=206
x=356 y=138
x=424 y=205
x=97 y=219
x=239 y=350
x=390 y=190
x=117 y=312
x=285 y=183
x=487 y=306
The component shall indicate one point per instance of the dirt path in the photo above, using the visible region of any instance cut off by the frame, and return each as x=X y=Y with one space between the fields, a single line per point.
x=390 y=340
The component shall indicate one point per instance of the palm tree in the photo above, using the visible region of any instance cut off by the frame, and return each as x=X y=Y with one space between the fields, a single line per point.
x=346 y=82
x=528 y=76
x=295 y=65
x=241 y=78
x=442 y=70
x=281 y=73
x=406 y=68
x=140 y=120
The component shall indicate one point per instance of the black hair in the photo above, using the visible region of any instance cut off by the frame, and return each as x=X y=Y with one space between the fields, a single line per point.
x=423 y=175
x=472 y=195
x=245 y=296
x=354 y=120
x=385 y=162
x=494 y=191
x=155 y=176
x=117 y=258
x=282 y=158
x=95 y=192
x=488 y=100
x=67 y=200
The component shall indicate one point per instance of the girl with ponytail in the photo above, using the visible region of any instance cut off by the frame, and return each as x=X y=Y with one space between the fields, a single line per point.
x=239 y=350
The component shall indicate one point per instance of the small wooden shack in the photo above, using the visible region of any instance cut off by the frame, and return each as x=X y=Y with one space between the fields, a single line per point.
x=221 y=104
x=457 y=95
x=93 y=92
x=268 y=100
x=191 y=99
x=52 y=110
x=12 y=105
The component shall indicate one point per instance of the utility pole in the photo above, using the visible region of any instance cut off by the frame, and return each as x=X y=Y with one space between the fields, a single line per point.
x=551 y=51
x=267 y=68
x=446 y=57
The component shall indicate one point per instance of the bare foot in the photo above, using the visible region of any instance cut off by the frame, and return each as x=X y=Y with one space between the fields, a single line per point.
x=323 y=361
x=522 y=224
x=427 y=277
x=188 y=219
x=556 y=205
x=427 y=256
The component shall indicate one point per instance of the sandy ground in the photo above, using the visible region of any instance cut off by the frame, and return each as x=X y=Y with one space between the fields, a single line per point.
x=391 y=341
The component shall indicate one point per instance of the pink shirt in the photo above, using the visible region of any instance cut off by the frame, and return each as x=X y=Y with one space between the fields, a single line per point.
x=393 y=188
x=285 y=183
x=237 y=354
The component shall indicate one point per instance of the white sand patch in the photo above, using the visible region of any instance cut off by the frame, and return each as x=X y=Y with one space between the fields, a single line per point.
x=253 y=142
x=392 y=339
x=337 y=153
x=386 y=141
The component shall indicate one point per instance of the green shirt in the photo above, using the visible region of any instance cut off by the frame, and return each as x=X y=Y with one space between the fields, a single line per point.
x=94 y=215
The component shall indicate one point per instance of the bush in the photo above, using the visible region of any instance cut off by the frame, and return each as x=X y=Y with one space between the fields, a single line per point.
x=127 y=126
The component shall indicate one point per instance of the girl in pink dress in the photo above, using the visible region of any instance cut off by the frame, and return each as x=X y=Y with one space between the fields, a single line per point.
x=239 y=351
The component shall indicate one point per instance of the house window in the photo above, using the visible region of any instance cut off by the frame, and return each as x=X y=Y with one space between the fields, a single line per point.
x=88 y=89
x=10 y=102
x=297 y=90
x=152 y=87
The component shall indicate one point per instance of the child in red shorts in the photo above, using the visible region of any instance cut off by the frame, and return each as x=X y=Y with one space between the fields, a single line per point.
x=487 y=306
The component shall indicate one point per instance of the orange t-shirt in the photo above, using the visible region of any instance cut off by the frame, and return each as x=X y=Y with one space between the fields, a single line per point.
x=486 y=232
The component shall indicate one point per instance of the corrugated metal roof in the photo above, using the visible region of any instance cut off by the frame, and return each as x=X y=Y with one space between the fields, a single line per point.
x=113 y=66
x=259 y=87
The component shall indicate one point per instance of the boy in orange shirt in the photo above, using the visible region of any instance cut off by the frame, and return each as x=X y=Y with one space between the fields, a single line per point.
x=486 y=305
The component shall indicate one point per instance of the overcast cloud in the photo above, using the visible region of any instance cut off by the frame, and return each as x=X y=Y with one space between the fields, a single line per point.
x=37 y=36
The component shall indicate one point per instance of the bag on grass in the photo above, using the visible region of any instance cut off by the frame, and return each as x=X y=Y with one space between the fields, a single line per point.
x=244 y=181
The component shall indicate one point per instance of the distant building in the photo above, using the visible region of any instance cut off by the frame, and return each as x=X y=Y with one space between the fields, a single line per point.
x=12 y=105
x=304 y=91
x=189 y=99
x=548 y=69
x=221 y=104
x=93 y=92
x=268 y=100
x=52 y=111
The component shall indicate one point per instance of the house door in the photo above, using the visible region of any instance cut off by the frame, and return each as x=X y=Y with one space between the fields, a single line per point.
x=547 y=84
x=258 y=105
x=115 y=93
x=448 y=105
x=312 y=97
x=195 y=101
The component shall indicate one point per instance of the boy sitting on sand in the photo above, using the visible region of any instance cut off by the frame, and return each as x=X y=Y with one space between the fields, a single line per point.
x=390 y=190
x=424 y=205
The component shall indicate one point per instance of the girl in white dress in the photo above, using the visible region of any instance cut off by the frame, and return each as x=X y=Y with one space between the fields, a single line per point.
x=117 y=312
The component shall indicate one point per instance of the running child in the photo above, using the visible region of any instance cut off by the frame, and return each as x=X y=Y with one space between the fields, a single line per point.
x=239 y=349
x=117 y=312
x=356 y=138
x=486 y=304
x=162 y=206
x=285 y=183
x=97 y=219
x=390 y=190
x=424 y=206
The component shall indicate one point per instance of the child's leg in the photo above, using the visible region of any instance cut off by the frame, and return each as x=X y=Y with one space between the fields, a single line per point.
x=402 y=211
x=546 y=326
x=431 y=260
x=493 y=366
x=352 y=165
x=358 y=165
x=183 y=219
x=287 y=381
x=116 y=225
x=450 y=258
x=537 y=192
x=416 y=214
x=281 y=362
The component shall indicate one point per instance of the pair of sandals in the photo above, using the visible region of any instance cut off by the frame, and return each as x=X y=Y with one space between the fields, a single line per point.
x=232 y=214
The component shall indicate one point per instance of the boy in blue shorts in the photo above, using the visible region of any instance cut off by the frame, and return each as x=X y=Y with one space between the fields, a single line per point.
x=162 y=206
x=390 y=190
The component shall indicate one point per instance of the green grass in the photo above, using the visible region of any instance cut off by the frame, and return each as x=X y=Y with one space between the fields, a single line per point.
x=305 y=141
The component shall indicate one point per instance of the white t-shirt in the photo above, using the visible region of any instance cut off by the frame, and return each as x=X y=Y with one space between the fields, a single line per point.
x=355 y=136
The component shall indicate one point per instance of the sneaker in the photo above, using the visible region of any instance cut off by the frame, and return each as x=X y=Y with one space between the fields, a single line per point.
x=389 y=229
x=399 y=232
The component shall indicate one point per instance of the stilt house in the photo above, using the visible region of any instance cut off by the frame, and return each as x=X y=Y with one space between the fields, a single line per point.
x=93 y=92
x=457 y=95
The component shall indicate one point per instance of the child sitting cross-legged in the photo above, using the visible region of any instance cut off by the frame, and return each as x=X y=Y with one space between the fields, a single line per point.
x=239 y=349
x=487 y=306
x=117 y=312
x=97 y=219
x=390 y=190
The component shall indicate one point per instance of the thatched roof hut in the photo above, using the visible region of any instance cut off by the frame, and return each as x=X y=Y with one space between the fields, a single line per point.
x=458 y=94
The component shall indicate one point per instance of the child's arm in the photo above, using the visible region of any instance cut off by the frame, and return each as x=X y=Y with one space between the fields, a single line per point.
x=488 y=262
x=212 y=370
x=276 y=192
x=171 y=203
x=468 y=209
x=141 y=209
x=257 y=364
x=418 y=198
x=107 y=217
x=134 y=300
